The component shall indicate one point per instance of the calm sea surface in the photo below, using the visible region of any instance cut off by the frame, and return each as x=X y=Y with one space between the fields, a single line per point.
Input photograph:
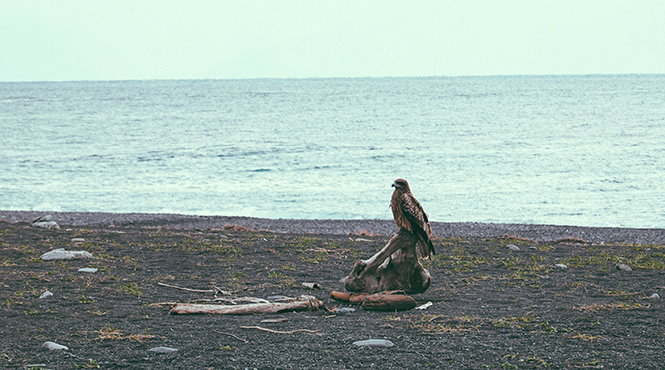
x=567 y=150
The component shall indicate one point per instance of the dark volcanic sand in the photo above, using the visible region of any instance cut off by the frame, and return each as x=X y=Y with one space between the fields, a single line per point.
x=344 y=227
x=492 y=307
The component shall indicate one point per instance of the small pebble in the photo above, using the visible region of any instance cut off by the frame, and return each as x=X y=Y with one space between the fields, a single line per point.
x=374 y=343
x=513 y=247
x=54 y=346
x=533 y=248
x=88 y=269
x=46 y=224
x=78 y=240
x=312 y=286
x=273 y=321
x=654 y=296
x=561 y=266
x=62 y=254
x=425 y=306
x=624 y=267
x=346 y=310
x=163 y=349
x=46 y=294
x=275 y=297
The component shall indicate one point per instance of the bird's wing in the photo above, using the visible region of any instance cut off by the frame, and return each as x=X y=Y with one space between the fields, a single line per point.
x=417 y=217
x=414 y=212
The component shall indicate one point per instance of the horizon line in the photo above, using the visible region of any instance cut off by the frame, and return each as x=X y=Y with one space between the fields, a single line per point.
x=345 y=78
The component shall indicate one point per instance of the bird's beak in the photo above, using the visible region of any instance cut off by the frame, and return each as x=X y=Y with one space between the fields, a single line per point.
x=393 y=185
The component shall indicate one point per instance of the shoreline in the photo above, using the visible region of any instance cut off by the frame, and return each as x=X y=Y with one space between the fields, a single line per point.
x=345 y=227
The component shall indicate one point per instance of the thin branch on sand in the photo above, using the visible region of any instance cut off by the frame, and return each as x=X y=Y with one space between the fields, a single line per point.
x=216 y=290
x=231 y=335
x=279 y=331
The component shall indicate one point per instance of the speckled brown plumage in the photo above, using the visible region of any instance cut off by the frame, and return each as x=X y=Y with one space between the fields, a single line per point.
x=409 y=214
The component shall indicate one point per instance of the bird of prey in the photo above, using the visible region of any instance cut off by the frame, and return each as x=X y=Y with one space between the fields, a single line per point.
x=409 y=214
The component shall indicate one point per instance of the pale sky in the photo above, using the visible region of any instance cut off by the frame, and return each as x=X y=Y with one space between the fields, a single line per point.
x=135 y=39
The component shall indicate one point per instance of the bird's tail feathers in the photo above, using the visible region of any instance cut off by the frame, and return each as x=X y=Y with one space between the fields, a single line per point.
x=425 y=243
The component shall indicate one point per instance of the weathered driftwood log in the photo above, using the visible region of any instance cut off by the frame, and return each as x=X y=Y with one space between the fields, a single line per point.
x=348 y=297
x=384 y=301
x=389 y=302
x=395 y=267
x=302 y=303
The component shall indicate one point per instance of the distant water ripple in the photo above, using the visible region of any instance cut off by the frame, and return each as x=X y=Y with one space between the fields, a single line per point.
x=580 y=150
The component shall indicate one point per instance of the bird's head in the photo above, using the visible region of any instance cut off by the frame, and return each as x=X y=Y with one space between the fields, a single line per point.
x=401 y=184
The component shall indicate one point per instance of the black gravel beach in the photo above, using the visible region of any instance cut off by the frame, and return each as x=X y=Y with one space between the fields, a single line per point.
x=343 y=227
x=503 y=296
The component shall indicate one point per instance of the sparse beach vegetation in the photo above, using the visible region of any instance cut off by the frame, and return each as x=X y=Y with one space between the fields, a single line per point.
x=493 y=307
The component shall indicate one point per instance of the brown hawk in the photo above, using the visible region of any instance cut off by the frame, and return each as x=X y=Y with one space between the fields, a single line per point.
x=409 y=214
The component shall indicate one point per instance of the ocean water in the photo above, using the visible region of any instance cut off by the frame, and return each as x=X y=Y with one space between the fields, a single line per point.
x=566 y=150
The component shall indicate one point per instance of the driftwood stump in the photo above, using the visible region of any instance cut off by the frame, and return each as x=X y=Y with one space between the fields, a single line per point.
x=395 y=267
